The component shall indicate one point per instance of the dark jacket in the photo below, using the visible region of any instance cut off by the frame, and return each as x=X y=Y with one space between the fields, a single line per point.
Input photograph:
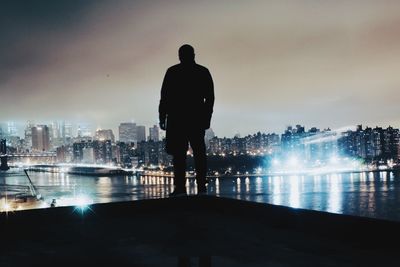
x=187 y=99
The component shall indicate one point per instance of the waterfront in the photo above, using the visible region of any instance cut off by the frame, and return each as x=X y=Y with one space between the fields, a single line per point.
x=370 y=194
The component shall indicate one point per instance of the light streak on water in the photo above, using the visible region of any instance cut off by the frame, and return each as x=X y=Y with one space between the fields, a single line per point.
x=294 y=192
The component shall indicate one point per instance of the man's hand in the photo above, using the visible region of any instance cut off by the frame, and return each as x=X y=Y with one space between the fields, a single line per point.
x=163 y=125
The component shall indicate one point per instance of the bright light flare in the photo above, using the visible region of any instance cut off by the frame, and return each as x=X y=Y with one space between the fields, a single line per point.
x=334 y=163
x=276 y=162
x=7 y=207
x=82 y=203
x=293 y=162
x=334 y=160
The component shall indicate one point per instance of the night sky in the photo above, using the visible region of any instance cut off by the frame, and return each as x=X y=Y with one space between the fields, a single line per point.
x=274 y=63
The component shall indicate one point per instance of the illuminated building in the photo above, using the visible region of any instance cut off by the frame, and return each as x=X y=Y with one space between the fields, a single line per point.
x=40 y=138
x=16 y=143
x=68 y=130
x=103 y=151
x=88 y=155
x=125 y=152
x=84 y=130
x=127 y=132
x=152 y=153
x=78 y=150
x=154 y=133
x=28 y=134
x=11 y=128
x=391 y=146
x=371 y=143
x=140 y=133
x=99 y=152
x=103 y=135
x=208 y=136
x=291 y=140
x=64 y=154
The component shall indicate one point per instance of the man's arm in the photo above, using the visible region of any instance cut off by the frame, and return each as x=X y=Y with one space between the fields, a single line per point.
x=209 y=99
x=162 y=108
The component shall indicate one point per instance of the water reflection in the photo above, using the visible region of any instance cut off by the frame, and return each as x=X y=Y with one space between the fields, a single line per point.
x=247 y=182
x=294 y=192
x=373 y=194
x=335 y=193
x=276 y=190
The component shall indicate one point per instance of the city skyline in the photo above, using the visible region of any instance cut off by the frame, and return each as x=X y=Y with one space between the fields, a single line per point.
x=273 y=63
x=296 y=146
x=85 y=129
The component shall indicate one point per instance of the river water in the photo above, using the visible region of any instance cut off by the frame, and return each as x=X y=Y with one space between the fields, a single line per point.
x=370 y=194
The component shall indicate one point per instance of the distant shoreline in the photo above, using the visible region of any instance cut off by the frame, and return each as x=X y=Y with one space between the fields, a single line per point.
x=275 y=173
x=116 y=171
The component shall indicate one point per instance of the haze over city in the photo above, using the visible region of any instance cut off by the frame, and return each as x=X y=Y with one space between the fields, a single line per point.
x=274 y=63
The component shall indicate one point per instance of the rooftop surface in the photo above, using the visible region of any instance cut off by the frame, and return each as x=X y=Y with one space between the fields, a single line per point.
x=194 y=231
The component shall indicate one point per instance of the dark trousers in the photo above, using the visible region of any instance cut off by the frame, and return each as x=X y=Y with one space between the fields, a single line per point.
x=196 y=140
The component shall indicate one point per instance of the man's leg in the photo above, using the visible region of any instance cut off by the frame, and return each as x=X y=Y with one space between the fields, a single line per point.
x=200 y=159
x=179 y=160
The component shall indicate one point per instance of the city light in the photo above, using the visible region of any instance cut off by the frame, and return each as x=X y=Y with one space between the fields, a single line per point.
x=293 y=165
x=6 y=207
x=334 y=159
x=82 y=203
x=275 y=162
x=296 y=150
x=293 y=162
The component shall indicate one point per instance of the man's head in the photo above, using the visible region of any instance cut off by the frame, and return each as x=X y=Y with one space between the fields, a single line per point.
x=186 y=53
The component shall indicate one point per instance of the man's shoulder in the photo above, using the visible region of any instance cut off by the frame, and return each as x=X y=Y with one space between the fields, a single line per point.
x=174 y=67
x=201 y=67
x=178 y=67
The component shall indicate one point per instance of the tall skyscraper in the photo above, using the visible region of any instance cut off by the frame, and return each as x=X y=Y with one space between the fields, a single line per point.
x=55 y=130
x=28 y=134
x=79 y=131
x=208 y=136
x=154 y=133
x=77 y=150
x=88 y=155
x=93 y=152
x=57 y=134
x=84 y=130
x=103 y=151
x=11 y=128
x=68 y=130
x=103 y=135
x=62 y=154
x=140 y=133
x=40 y=138
x=127 y=132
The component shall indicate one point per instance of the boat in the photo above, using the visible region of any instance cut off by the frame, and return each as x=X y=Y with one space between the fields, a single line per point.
x=81 y=170
x=19 y=197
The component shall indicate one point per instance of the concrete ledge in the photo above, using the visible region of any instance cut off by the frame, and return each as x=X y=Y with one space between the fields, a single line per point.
x=155 y=232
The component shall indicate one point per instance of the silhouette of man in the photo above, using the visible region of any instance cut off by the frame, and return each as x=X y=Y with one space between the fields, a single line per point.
x=185 y=110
